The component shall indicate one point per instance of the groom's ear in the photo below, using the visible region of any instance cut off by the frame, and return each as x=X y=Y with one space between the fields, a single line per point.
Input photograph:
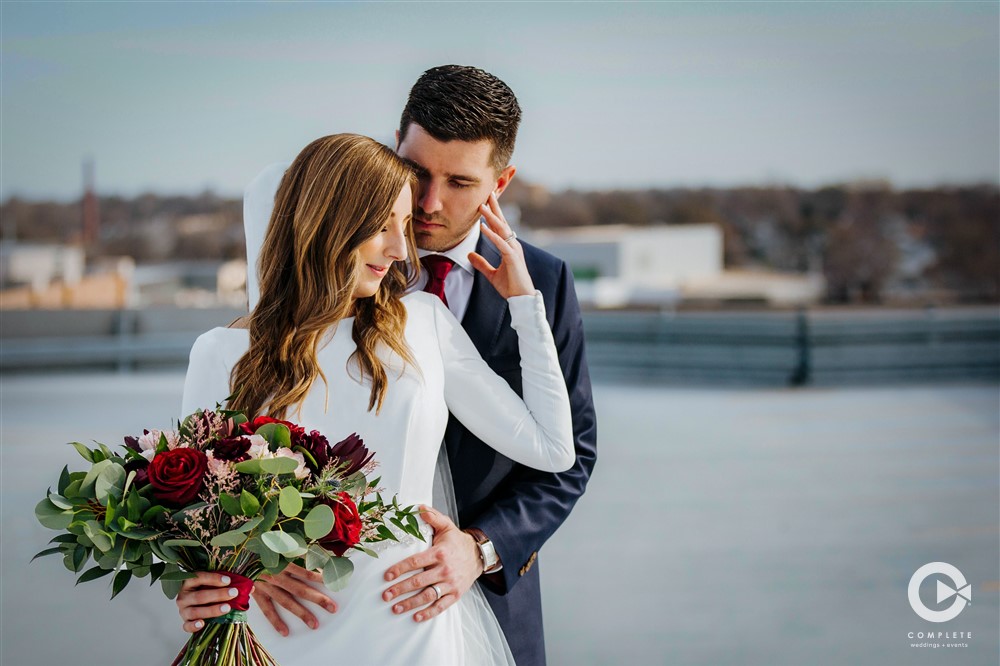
x=397 y=141
x=503 y=180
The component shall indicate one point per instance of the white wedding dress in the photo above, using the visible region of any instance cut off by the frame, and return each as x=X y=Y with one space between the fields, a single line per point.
x=406 y=438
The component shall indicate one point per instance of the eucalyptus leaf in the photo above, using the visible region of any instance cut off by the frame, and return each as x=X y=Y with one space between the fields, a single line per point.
x=230 y=504
x=319 y=521
x=280 y=465
x=64 y=479
x=255 y=545
x=47 y=551
x=248 y=466
x=61 y=502
x=270 y=560
x=73 y=489
x=121 y=580
x=177 y=575
x=249 y=525
x=110 y=483
x=51 y=516
x=87 y=486
x=270 y=515
x=290 y=502
x=171 y=588
x=337 y=573
x=230 y=539
x=276 y=435
x=182 y=542
x=64 y=538
x=93 y=574
x=83 y=451
x=316 y=557
x=279 y=542
x=156 y=570
x=249 y=503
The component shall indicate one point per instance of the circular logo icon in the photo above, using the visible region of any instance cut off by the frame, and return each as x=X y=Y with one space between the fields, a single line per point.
x=960 y=589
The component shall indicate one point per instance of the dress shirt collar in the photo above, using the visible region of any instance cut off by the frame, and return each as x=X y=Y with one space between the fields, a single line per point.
x=460 y=253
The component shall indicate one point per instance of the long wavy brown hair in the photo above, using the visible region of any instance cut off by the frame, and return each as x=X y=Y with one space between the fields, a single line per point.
x=337 y=194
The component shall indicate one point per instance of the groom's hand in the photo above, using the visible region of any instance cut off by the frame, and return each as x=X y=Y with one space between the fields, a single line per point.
x=452 y=564
x=288 y=589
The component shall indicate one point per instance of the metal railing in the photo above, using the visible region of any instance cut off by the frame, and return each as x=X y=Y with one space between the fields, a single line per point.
x=750 y=348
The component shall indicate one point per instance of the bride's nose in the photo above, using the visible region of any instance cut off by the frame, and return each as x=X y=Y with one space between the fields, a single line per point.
x=395 y=249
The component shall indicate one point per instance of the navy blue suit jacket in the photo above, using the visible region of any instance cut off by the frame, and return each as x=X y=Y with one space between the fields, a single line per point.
x=517 y=507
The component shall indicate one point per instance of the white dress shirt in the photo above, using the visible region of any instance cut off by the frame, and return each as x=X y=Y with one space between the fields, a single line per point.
x=458 y=282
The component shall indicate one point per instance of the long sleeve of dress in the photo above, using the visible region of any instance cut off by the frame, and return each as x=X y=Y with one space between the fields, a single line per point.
x=207 y=380
x=536 y=431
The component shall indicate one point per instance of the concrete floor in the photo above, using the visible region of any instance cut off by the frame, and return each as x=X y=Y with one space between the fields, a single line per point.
x=721 y=526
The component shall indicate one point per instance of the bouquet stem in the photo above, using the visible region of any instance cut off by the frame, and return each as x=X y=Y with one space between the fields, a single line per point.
x=225 y=641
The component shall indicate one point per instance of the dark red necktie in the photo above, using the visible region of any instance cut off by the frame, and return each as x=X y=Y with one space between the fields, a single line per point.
x=437 y=266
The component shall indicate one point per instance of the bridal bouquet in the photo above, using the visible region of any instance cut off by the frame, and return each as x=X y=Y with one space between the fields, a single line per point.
x=221 y=493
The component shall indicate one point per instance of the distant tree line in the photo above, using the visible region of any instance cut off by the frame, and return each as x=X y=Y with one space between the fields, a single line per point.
x=867 y=238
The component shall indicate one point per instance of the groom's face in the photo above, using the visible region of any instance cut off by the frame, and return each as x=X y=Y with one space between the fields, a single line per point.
x=454 y=179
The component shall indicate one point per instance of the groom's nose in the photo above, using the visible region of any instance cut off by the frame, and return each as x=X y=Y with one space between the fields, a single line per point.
x=429 y=199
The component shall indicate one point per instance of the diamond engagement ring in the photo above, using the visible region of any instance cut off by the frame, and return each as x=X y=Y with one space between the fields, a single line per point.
x=437 y=591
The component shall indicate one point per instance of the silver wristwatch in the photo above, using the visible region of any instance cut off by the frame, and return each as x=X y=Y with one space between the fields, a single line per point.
x=491 y=561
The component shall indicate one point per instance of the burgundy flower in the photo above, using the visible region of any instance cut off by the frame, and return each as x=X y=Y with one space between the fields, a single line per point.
x=346 y=531
x=141 y=468
x=318 y=447
x=351 y=454
x=233 y=449
x=177 y=476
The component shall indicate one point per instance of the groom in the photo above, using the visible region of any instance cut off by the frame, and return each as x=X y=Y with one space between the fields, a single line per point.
x=458 y=131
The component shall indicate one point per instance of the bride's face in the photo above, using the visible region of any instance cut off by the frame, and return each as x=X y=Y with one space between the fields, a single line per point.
x=377 y=253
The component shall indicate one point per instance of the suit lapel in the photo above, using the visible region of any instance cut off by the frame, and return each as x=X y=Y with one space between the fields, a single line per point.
x=484 y=316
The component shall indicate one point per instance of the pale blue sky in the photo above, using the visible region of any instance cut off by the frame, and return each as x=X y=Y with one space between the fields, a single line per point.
x=177 y=97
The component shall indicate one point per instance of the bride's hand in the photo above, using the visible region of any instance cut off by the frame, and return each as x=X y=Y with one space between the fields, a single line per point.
x=202 y=597
x=288 y=589
x=511 y=277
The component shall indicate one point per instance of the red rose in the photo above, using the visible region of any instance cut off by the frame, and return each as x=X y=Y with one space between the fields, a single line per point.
x=177 y=475
x=250 y=427
x=346 y=530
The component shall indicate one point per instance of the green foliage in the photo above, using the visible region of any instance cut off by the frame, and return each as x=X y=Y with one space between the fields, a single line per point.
x=319 y=521
x=290 y=501
x=276 y=435
x=230 y=504
x=249 y=504
x=337 y=573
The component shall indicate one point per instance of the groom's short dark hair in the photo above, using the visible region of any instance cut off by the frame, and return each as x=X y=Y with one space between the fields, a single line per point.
x=464 y=103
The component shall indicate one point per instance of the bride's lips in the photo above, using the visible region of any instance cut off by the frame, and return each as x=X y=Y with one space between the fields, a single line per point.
x=377 y=270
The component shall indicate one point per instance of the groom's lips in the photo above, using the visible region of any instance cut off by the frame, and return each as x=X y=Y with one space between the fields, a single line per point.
x=424 y=225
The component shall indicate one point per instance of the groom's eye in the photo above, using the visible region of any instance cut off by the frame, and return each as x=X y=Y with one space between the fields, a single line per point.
x=460 y=185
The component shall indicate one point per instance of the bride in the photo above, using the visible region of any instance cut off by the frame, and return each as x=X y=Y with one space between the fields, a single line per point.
x=335 y=345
